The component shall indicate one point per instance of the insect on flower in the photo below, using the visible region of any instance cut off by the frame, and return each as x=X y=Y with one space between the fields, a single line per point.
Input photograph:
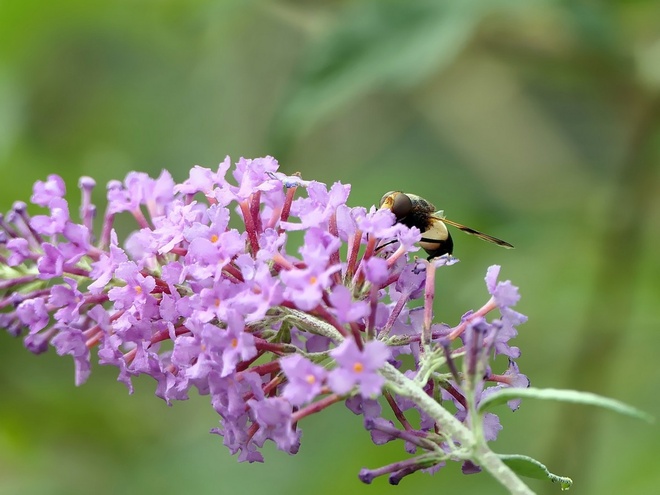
x=414 y=211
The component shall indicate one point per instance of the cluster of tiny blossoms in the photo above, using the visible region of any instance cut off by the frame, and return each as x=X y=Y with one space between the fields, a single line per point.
x=270 y=335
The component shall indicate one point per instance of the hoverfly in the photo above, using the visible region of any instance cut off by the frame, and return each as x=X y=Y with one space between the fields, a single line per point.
x=413 y=211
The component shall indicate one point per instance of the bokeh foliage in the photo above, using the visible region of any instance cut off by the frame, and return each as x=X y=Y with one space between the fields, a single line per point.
x=537 y=121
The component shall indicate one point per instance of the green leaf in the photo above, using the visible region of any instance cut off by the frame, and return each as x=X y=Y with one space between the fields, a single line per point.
x=376 y=45
x=531 y=468
x=507 y=394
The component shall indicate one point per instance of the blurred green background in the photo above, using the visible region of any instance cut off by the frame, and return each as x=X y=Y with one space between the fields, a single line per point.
x=536 y=121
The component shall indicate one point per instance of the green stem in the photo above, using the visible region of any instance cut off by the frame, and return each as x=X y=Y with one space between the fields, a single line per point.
x=483 y=456
x=457 y=431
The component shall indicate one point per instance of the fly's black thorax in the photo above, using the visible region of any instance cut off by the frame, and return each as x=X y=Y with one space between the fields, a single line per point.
x=419 y=216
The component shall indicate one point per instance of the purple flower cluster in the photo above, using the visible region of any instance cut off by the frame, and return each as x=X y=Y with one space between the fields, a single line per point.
x=208 y=293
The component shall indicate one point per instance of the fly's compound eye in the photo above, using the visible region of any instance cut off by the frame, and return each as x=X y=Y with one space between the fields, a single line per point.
x=401 y=206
